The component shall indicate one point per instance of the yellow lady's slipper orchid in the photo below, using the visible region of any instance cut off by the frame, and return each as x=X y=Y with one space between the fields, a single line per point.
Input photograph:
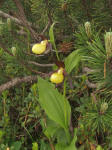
x=39 y=48
x=57 y=77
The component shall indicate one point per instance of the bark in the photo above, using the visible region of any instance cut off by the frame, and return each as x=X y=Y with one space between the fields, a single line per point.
x=17 y=81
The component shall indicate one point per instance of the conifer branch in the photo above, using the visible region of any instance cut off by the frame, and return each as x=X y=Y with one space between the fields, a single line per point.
x=4 y=48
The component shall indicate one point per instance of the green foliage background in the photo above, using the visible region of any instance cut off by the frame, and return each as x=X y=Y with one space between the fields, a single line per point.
x=25 y=122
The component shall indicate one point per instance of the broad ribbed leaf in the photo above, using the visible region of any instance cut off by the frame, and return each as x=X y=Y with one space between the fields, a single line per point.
x=17 y=145
x=51 y=128
x=72 y=61
x=55 y=105
x=68 y=147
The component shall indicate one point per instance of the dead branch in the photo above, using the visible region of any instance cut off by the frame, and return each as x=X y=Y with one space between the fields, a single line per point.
x=24 y=20
x=5 y=15
x=46 y=27
x=87 y=71
x=40 y=65
x=34 y=71
x=48 y=11
x=21 y=61
x=22 y=33
x=17 y=81
x=33 y=55
x=91 y=85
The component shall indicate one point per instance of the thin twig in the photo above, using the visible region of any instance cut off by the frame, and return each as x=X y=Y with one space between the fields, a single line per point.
x=21 y=61
x=48 y=11
x=46 y=27
x=24 y=20
x=33 y=55
x=34 y=71
x=91 y=85
x=87 y=70
x=27 y=113
x=41 y=65
x=5 y=15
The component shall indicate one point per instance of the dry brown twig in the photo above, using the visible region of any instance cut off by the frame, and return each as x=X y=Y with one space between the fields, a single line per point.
x=87 y=70
x=48 y=12
x=21 y=61
x=46 y=27
x=24 y=20
x=5 y=15
x=21 y=23
x=18 y=80
x=40 y=65
x=91 y=85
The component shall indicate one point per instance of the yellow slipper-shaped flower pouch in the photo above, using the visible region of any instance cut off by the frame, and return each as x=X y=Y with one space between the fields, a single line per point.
x=57 y=77
x=39 y=48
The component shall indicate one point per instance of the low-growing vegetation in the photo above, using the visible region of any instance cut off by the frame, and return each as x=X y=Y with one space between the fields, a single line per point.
x=55 y=75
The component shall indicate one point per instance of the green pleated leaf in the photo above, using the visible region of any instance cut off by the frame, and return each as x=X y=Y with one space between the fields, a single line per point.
x=72 y=61
x=55 y=105
x=44 y=145
x=17 y=145
x=99 y=148
x=51 y=128
x=68 y=147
